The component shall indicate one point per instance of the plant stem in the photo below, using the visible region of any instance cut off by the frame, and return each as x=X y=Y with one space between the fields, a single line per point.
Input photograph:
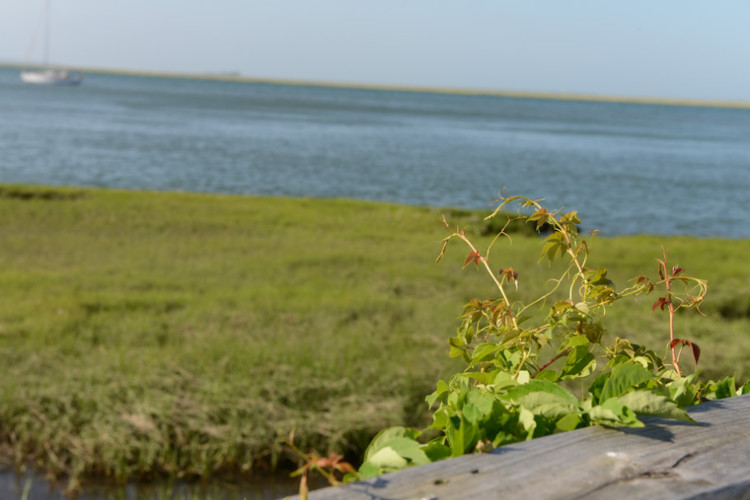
x=489 y=271
x=670 y=306
x=545 y=365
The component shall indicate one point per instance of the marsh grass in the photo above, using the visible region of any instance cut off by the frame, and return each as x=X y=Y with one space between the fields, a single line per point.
x=173 y=334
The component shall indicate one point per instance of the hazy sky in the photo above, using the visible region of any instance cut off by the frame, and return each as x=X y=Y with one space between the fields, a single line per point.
x=696 y=49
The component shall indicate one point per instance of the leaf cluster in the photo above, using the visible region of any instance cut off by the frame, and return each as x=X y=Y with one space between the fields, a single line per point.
x=520 y=368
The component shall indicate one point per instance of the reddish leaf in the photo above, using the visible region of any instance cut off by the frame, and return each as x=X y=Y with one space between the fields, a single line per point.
x=676 y=270
x=696 y=351
x=676 y=342
x=509 y=275
x=345 y=467
x=647 y=284
x=661 y=302
x=334 y=462
x=474 y=257
x=661 y=267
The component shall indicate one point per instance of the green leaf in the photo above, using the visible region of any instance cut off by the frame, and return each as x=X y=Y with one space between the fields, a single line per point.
x=456 y=341
x=442 y=388
x=624 y=377
x=483 y=352
x=440 y=419
x=471 y=413
x=570 y=219
x=541 y=217
x=485 y=378
x=568 y=422
x=597 y=386
x=461 y=435
x=526 y=418
x=544 y=398
x=593 y=332
x=547 y=405
x=547 y=375
x=543 y=386
x=724 y=388
x=555 y=244
x=436 y=450
x=614 y=414
x=683 y=391
x=456 y=352
x=560 y=307
x=580 y=363
x=576 y=341
x=385 y=436
x=388 y=458
x=398 y=453
x=481 y=401
x=645 y=402
x=599 y=277
x=503 y=380
x=523 y=377
x=367 y=470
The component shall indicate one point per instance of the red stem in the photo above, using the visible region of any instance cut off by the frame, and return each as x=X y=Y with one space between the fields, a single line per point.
x=671 y=319
x=545 y=365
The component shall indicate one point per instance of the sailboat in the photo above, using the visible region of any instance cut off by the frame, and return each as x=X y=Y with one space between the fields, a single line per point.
x=49 y=75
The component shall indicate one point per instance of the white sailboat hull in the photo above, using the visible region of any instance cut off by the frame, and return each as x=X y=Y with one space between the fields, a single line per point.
x=52 y=77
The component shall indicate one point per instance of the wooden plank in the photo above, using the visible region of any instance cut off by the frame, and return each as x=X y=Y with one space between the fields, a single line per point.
x=664 y=460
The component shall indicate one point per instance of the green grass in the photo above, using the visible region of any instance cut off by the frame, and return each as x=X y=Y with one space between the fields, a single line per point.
x=144 y=334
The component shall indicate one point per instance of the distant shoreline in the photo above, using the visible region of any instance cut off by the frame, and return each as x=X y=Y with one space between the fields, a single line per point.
x=231 y=77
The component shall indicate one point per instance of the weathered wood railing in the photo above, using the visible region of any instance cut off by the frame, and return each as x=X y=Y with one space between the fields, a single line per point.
x=664 y=460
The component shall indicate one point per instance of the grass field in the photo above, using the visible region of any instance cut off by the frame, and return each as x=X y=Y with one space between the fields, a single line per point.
x=187 y=334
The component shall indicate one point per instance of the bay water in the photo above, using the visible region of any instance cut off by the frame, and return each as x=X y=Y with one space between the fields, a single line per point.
x=31 y=486
x=627 y=168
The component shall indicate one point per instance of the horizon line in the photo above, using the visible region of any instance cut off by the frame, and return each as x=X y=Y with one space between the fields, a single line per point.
x=240 y=78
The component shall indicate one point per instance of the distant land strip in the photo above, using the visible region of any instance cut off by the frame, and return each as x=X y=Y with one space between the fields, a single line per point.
x=235 y=77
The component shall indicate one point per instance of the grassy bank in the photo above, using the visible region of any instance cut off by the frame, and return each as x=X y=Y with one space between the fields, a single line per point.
x=173 y=333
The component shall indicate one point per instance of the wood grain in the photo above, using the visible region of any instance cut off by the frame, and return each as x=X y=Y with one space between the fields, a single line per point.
x=664 y=460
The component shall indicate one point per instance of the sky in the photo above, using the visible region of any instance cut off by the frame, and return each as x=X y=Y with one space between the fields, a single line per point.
x=679 y=49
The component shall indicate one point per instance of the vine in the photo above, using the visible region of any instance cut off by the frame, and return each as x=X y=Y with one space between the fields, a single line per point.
x=519 y=366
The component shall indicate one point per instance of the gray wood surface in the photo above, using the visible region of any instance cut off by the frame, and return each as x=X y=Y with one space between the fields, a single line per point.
x=664 y=460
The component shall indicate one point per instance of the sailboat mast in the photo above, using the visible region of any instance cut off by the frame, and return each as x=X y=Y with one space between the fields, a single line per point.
x=46 y=32
x=48 y=75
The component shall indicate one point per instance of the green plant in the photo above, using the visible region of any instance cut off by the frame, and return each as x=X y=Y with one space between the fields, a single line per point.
x=524 y=362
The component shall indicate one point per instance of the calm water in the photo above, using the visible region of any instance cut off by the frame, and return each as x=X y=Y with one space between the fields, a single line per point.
x=29 y=486
x=627 y=168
